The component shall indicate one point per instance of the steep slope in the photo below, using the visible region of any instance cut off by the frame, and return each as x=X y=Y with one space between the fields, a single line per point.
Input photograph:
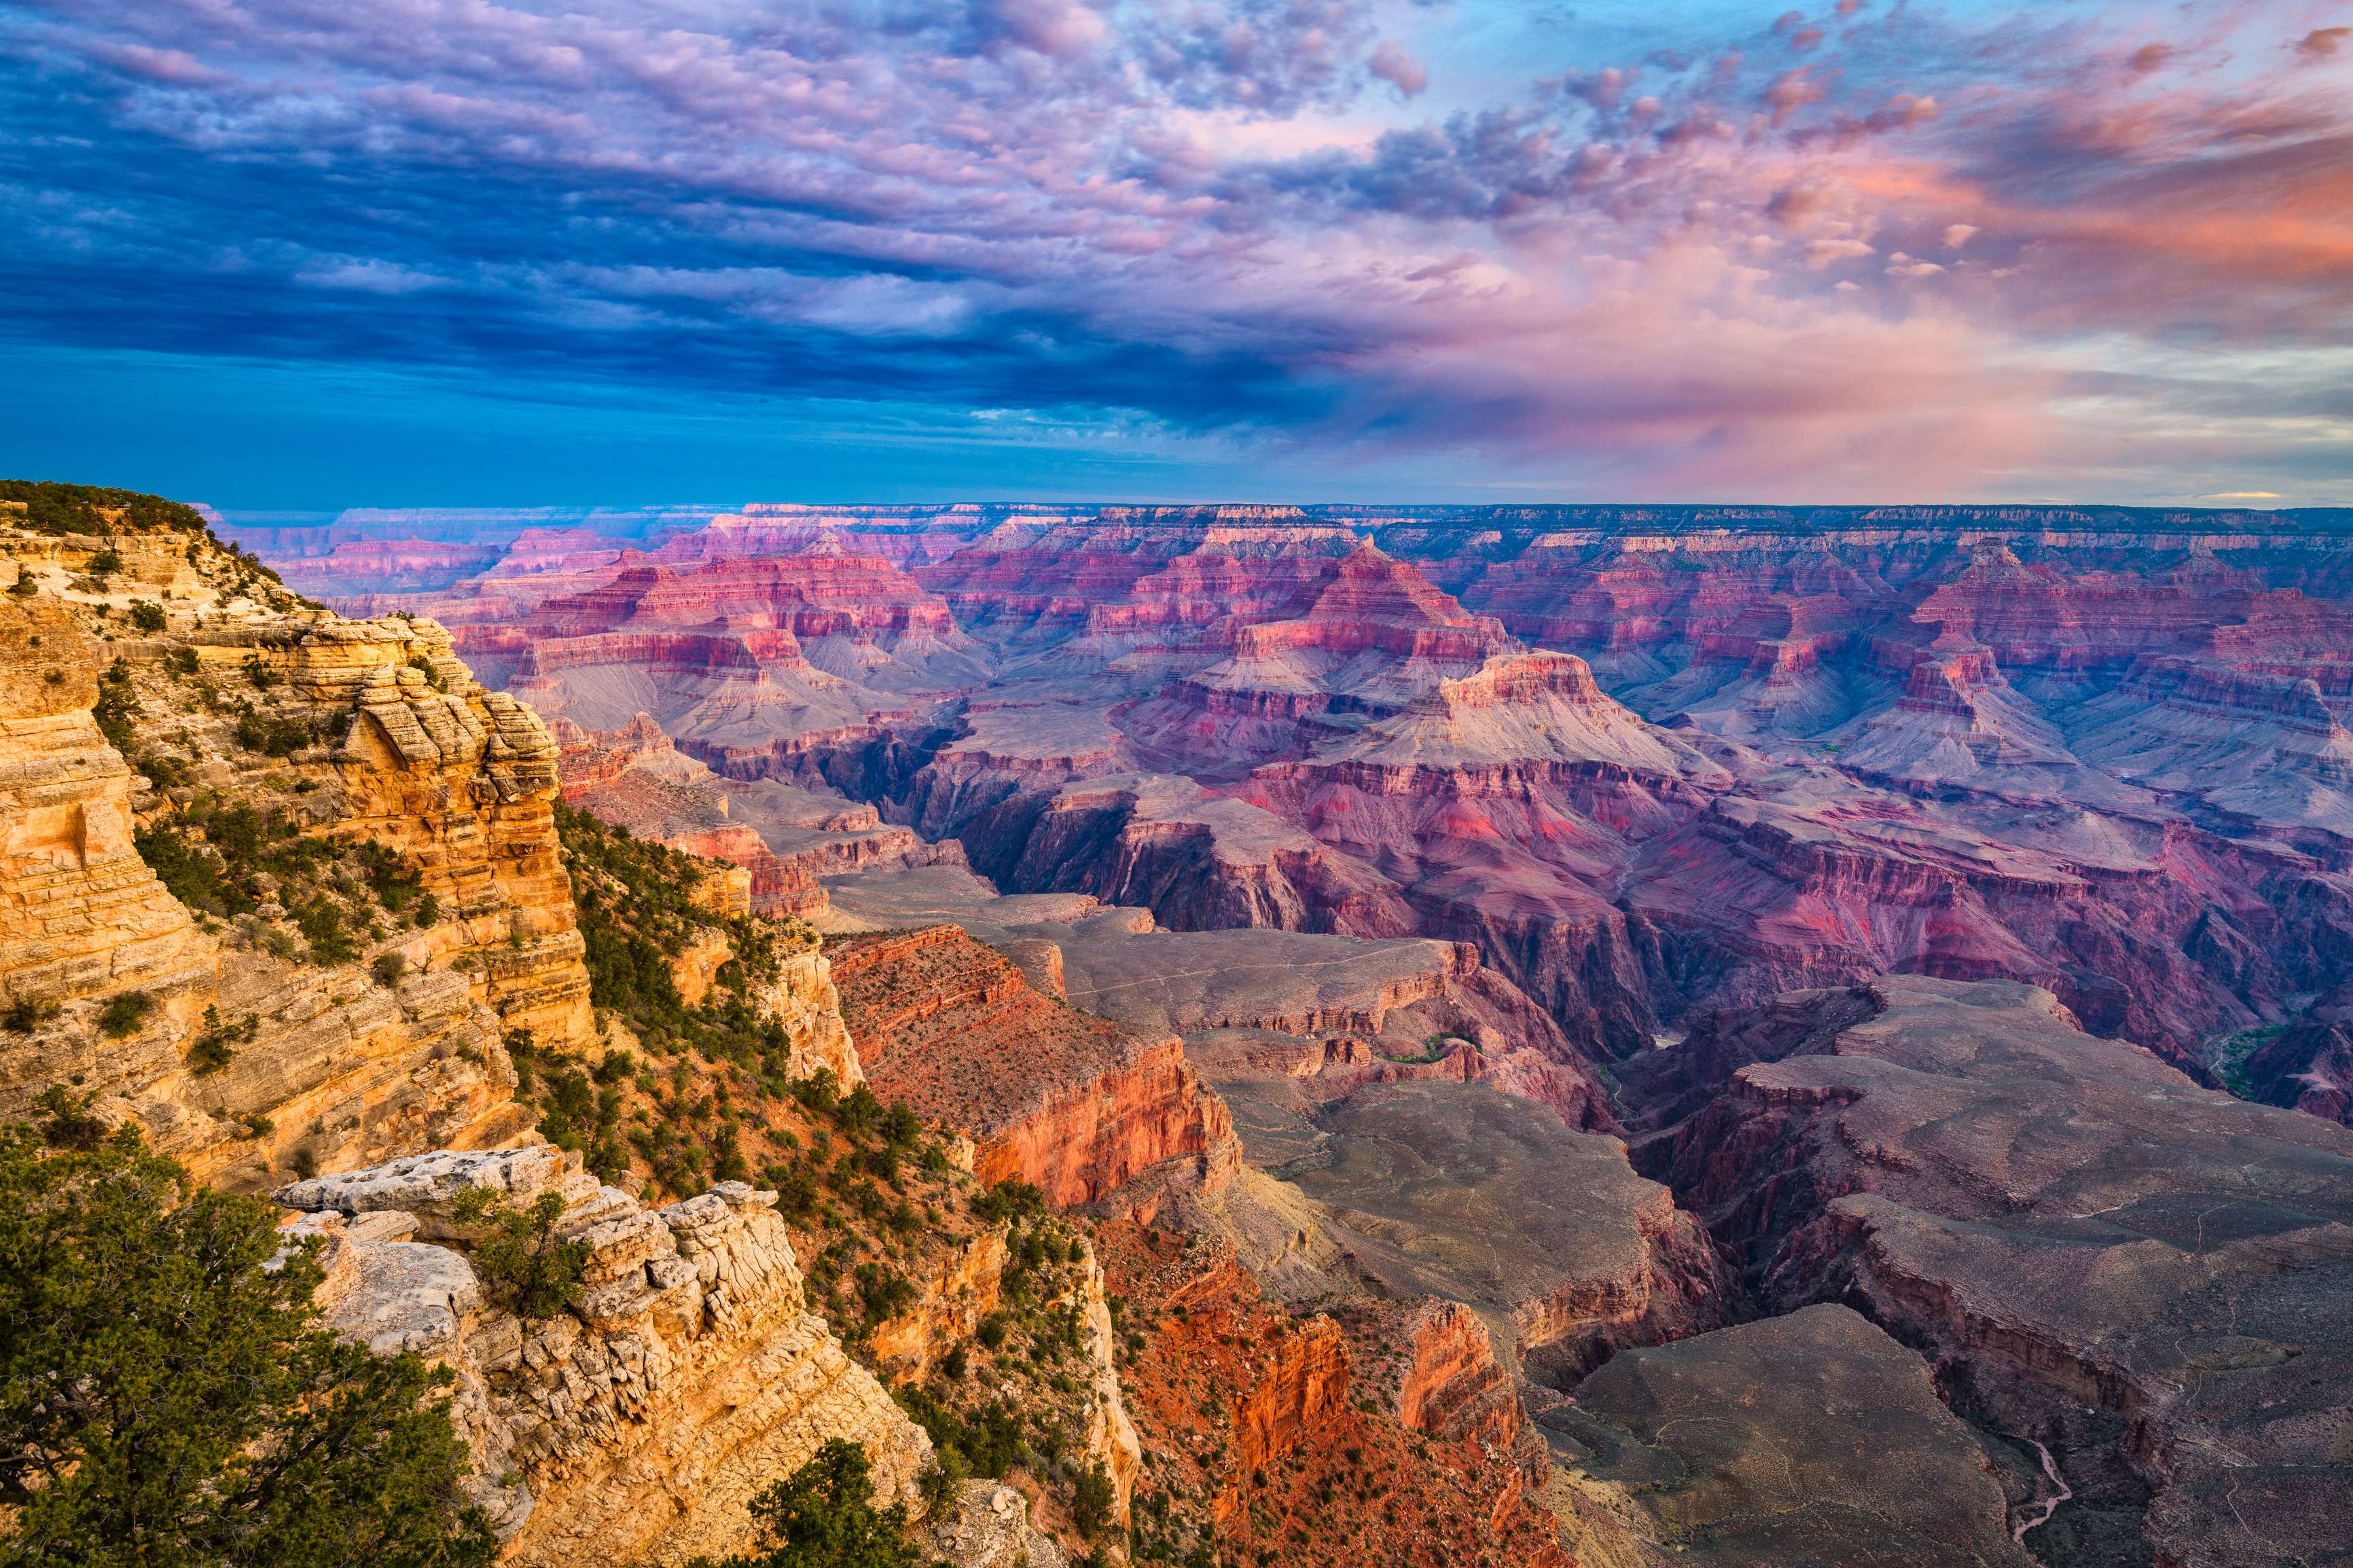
x=635 y=1426
x=1071 y=1104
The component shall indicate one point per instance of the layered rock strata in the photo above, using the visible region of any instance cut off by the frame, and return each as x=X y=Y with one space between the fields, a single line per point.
x=1072 y=1104
x=636 y=1427
x=235 y=1057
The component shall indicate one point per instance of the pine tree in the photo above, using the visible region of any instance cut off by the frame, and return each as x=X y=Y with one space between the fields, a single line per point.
x=168 y=1399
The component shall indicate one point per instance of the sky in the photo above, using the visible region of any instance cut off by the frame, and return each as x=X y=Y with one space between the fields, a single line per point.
x=309 y=254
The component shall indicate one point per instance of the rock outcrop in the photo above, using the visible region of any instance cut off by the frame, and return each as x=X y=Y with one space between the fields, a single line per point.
x=358 y=739
x=1069 y=1103
x=636 y=1427
x=1809 y=1439
x=990 y=1527
x=83 y=915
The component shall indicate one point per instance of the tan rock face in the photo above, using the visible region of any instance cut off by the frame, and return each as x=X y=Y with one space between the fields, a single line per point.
x=460 y=781
x=326 y=1066
x=80 y=914
x=636 y=1427
x=803 y=998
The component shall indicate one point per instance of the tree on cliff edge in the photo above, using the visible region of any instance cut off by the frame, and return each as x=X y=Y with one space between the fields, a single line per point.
x=168 y=1400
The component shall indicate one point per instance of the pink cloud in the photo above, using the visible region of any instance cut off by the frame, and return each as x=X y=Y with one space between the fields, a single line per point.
x=1391 y=64
x=1683 y=278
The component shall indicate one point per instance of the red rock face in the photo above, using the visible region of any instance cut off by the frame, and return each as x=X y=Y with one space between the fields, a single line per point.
x=1455 y=1387
x=1074 y=1105
x=1304 y=1385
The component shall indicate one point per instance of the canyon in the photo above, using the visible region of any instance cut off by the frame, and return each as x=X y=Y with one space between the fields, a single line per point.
x=1484 y=1035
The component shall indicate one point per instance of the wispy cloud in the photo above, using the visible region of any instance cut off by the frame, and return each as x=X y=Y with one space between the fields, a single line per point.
x=1853 y=249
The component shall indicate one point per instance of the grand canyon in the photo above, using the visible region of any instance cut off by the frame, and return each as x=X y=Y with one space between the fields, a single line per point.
x=1177 y=783
x=1598 y=1035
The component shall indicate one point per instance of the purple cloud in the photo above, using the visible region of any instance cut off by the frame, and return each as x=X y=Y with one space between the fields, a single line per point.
x=1260 y=217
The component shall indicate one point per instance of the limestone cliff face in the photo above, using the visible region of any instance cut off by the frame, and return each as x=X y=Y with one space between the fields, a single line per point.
x=1111 y=1435
x=235 y=1056
x=459 y=780
x=80 y=914
x=636 y=1427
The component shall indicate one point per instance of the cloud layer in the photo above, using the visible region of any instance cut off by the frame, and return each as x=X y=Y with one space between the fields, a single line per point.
x=1863 y=249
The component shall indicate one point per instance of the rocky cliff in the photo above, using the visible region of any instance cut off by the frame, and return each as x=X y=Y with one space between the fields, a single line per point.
x=2102 y=1257
x=1071 y=1104
x=369 y=889
x=636 y=1426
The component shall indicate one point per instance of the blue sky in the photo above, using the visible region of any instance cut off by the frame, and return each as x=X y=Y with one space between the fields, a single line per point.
x=300 y=253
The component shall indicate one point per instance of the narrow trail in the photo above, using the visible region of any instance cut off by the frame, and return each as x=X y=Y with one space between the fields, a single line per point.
x=2049 y=1505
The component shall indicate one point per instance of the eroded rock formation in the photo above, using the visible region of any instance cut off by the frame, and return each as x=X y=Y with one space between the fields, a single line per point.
x=636 y=1427
x=234 y=1056
x=2146 y=1276
x=1071 y=1104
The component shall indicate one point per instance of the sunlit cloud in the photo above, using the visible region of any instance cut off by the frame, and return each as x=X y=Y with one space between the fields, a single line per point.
x=1846 y=251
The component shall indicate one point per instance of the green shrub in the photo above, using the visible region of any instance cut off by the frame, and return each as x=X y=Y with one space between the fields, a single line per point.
x=273 y=734
x=54 y=508
x=388 y=968
x=146 y=616
x=164 y=772
x=124 y=1015
x=391 y=879
x=1093 y=1498
x=321 y=922
x=823 y=1516
x=171 y=1398
x=117 y=706
x=65 y=1120
x=1008 y=1200
x=27 y=1013
x=526 y=1270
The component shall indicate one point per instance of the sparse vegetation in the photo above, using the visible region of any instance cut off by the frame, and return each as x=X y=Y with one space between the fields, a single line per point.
x=170 y=1396
x=216 y=1047
x=116 y=707
x=225 y=858
x=51 y=508
x=27 y=1013
x=823 y=1516
x=124 y=1016
x=525 y=1267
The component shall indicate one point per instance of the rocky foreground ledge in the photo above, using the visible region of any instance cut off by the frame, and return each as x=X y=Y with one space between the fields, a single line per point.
x=635 y=1426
